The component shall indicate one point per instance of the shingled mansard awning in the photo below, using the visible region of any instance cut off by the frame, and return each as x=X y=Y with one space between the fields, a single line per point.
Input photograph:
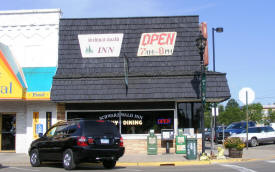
x=171 y=77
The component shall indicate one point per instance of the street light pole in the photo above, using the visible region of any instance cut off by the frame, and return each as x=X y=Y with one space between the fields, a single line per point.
x=201 y=43
x=219 y=30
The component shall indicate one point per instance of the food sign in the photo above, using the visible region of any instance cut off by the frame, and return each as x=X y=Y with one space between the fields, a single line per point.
x=157 y=44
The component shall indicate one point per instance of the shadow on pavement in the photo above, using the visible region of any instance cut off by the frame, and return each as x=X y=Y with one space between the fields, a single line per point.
x=2 y=167
x=84 y=166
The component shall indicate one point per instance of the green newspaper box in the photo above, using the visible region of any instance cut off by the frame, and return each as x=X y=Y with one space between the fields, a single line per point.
x=152 y=146
x=180 y=142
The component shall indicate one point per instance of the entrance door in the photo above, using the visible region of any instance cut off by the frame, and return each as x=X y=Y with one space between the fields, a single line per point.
x=7 y=132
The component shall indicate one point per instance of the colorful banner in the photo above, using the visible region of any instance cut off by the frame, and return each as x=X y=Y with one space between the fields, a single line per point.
x=48 y=120
x=35 y=121
x=13 y=83
x=10 y=87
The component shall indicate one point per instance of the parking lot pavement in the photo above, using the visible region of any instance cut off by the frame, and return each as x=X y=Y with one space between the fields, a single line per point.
x=262 y=152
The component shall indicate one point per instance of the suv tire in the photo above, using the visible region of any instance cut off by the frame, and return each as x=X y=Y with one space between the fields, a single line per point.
x=34 y=158
x=254 y=142
x=109 y=164
x=68 y=160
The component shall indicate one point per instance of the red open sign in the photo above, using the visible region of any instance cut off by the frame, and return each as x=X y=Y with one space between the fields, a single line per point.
x=164 y=121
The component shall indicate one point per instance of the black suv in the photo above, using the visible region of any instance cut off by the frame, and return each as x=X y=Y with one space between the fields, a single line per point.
x=76 y=141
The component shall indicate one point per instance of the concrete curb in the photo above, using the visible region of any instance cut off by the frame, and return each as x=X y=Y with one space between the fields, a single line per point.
x=153 y=164
x=187 y=163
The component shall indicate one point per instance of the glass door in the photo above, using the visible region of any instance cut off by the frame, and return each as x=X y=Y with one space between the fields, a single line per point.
x=7 y=132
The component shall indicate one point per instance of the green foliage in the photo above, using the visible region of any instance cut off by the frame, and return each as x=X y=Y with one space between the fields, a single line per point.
x=221 y=108
x=232 y=103
x=232 y=113
x=254 y=112
x=207 y=115
x=270 y=117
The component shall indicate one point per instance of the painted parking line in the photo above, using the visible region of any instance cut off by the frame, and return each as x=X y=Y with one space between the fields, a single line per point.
x=130 y=170
x=239 y=168
x=271 y=161
x=22 y=169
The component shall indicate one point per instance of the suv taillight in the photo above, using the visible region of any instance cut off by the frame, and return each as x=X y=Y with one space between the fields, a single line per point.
x=121 y=142
x=90 y=140
x=82 y=141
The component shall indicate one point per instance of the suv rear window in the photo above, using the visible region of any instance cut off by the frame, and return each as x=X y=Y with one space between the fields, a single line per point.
x=95 y=128
x=253 y=130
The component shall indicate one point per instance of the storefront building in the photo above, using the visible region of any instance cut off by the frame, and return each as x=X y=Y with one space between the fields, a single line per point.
x=28 y=61
x=141 y=73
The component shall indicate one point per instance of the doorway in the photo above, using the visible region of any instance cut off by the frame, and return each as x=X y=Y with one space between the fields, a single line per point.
x=7 y=132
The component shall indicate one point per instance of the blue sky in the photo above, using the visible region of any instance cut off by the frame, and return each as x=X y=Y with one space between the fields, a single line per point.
x=245 y=50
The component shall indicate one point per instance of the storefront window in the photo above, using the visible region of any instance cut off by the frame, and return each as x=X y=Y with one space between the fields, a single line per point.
x=132 y=122
x=189 y=115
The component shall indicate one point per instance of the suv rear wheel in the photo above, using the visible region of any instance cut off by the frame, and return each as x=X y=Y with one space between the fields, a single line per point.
x=109 y=164
x=68 y=160
x=34 y=158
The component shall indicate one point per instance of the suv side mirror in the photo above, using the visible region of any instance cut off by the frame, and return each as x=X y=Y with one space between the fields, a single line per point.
x=40 y=135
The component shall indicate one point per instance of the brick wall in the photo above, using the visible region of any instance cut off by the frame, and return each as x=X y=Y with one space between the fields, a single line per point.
x=140 y=147
x=60 y=111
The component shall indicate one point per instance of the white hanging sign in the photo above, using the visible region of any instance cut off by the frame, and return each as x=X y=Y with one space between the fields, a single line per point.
x=100 y=45
x=213 y=111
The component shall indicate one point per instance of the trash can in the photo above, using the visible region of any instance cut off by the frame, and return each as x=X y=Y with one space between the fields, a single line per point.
x=191 y=149
x=152 y=146
x=180 y=143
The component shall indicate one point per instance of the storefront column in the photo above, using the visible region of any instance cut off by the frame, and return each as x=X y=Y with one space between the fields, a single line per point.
x=119 y=122
x=60 y=111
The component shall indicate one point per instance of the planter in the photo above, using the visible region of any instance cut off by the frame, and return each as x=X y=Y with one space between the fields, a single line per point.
x=234 y=153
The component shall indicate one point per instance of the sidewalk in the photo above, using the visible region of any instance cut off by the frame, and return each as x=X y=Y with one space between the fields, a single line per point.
x=252 y=154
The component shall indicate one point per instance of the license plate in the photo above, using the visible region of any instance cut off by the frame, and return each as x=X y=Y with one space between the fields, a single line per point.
x=104 y=141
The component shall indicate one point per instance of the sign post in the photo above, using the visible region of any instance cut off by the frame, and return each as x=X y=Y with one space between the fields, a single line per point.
x=246 y=96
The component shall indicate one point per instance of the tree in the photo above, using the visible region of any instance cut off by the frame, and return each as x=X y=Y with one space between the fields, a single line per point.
x=207 y=115
x=255 y=112
x=232 y=103
x=232 y=113
x=270 y=118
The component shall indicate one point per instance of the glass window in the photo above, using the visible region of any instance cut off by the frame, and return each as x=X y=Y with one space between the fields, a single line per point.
x=61 y=130
x=132 y=122
x=234 y=126
x=269 y=129
x=94 y=128
x=253 y=130
x=72 y=128
x=262 y=129
x=189 y=115
x=51 y=132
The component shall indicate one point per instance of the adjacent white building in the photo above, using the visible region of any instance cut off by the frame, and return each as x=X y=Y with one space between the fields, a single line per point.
x=28 y=61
